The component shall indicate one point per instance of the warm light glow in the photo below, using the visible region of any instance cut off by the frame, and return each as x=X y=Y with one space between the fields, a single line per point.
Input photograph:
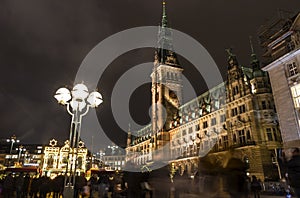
x=62 y=96
x=95 y=99
x=80 y=91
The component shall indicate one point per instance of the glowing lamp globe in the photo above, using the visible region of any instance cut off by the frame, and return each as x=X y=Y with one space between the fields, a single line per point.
x=80 y=91
x=95 y=99
x=62 y=95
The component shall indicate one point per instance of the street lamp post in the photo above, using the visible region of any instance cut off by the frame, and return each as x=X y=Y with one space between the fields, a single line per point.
x=101 y=153
x=20 y=149
x=113 y=148
x=78 y=102
x=12 y=140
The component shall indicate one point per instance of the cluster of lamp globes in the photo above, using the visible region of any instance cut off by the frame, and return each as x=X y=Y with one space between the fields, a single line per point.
x=78 y=98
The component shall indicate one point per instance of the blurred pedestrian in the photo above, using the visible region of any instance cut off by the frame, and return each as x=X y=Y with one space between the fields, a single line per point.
x=292 y=156
x=247 y=187
x=35 y=185
x=8 y=186
x=93 y=184
x=255 y=187
x=236 y=178
x=80 y=182
x=58 y=186
x=45 y=187
x=26 y=185
x=103 y=187
x=19 y=182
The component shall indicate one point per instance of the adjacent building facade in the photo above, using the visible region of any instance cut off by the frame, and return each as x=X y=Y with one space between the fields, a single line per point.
x=114 y=158
x=280 y=41
x=57 y=158
x=235 y=119
x=21 y=155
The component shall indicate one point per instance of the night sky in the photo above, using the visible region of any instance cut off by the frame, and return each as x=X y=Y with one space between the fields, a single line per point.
x=42 y=44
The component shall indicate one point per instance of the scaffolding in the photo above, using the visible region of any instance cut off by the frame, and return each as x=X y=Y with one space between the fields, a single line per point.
x=275 y=36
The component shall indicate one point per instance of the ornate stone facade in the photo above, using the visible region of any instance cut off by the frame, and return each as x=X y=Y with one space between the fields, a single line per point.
x=281 y=44
x=235 y=119
x=57 y=157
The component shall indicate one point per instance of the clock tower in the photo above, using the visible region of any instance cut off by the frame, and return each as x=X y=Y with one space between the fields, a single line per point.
x=166 y=85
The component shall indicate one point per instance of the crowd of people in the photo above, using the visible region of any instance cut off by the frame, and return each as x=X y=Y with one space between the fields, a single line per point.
x=114 y=185
x=25 y=185
x=157 y=183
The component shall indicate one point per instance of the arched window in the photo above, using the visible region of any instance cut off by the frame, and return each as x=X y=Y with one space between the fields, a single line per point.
x=234 y=138
x=79 y=162
x=50 y=161
x=248 y=135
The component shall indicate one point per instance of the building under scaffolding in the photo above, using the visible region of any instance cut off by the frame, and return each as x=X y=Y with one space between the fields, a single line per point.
x=277 y=37
x=280 y=41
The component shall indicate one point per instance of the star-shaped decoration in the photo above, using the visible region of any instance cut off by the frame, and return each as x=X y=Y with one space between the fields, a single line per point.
x=81 y=144
x=53 y=142
x=67 y=142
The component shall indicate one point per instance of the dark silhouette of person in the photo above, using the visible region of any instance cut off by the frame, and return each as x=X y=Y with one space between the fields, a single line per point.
x=44 y=186
x=292 y=156
x=236 y=178
x=58 y=186
x=103 y=186
x=80 y=182
x=26 y=184
x=93 y=184
x=133 y=181
x=8 y=186
x=255 y=187
x=35 y=185
x=159 y=180
x=19 y=182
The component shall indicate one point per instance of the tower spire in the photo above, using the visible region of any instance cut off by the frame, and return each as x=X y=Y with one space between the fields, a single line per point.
x=251 y=45
x=254 y=61
x=232 y=60
x=165 y=52
x=164 y=20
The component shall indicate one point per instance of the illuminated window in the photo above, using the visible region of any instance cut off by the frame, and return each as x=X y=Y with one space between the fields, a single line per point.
x=275 y=134
x=225 y=141
x=248 y=135
x=269 y=134
x=222 y=118
x=234 y=138
x=213 y=121
x=235 y=90
x=296 y=95
x=234 y=111
x=242 y=137
x=242 y=108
